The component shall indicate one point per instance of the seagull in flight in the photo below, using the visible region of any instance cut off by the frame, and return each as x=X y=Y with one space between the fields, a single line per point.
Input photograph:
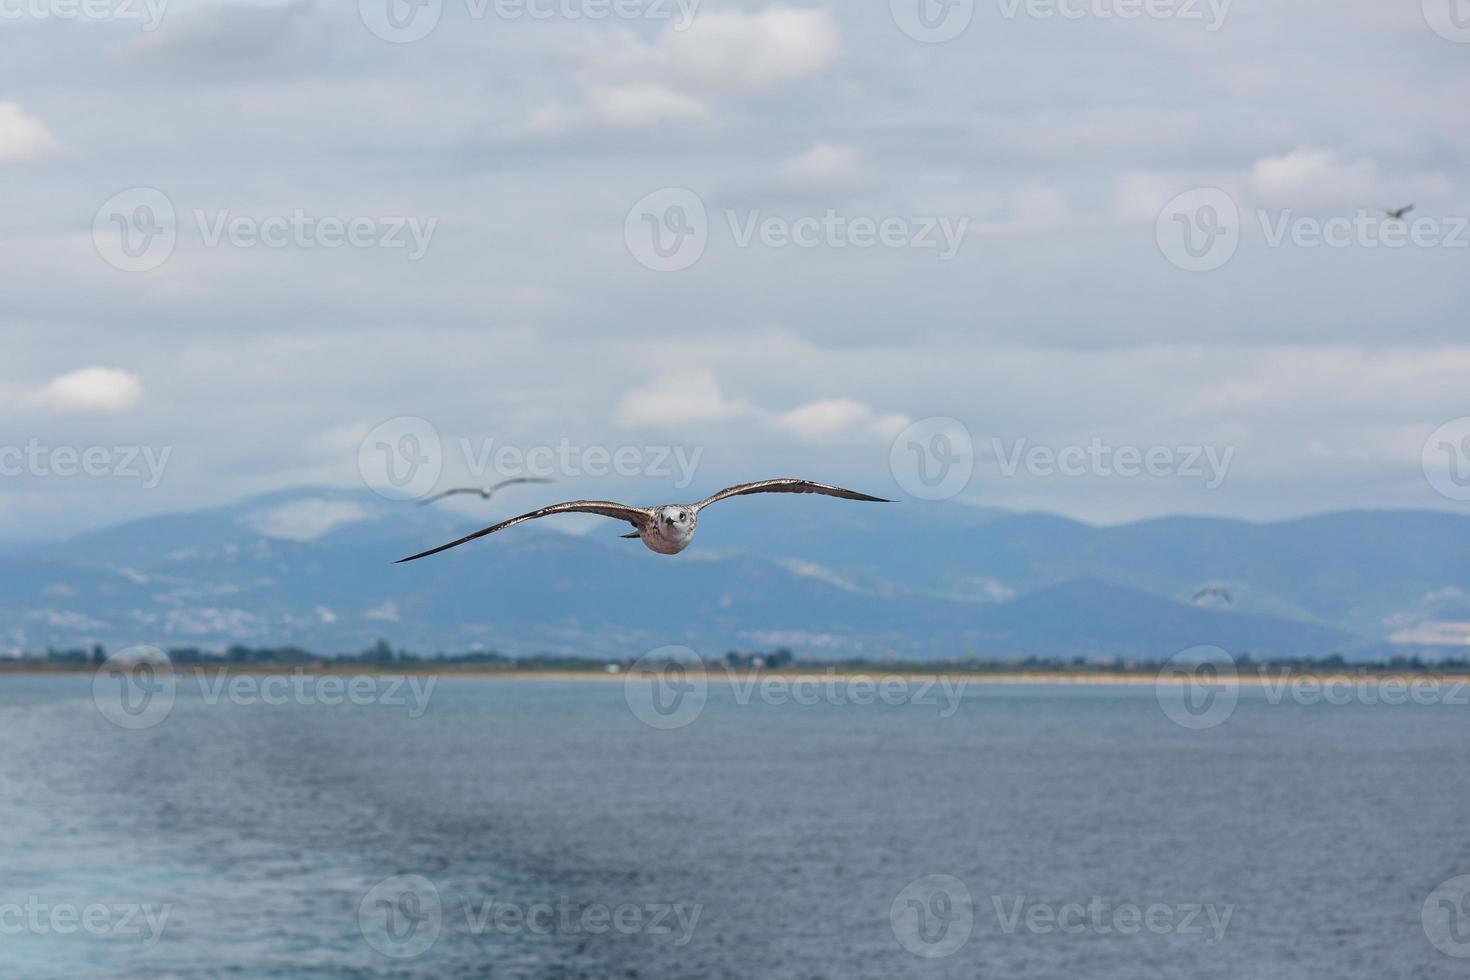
x=485 y=492
x=667 y=529
x=1212 y=593
x=1397 y=214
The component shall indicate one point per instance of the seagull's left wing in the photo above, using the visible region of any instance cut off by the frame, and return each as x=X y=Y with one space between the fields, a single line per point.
x=787 y=485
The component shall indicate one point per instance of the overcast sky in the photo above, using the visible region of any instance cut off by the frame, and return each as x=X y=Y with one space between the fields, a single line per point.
x=240 y=236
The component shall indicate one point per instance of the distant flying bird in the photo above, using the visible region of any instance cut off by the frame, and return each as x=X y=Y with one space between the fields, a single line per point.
x=667 y=529
x=1213 y=593
x=485 y=492
x=1397 y=214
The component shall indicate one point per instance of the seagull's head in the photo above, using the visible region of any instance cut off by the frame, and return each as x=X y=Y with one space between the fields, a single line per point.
x=675 y=519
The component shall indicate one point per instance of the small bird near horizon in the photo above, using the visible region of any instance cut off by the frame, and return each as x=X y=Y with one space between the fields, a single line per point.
x=667 y=529
x=1397 y=214
x=485 y=492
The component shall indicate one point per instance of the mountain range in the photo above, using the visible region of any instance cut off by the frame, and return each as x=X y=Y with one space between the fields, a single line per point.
x=313 y=567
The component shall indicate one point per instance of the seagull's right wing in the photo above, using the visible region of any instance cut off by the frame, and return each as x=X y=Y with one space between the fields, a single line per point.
x=447 y=493
x=787 y=485
x=636 y=516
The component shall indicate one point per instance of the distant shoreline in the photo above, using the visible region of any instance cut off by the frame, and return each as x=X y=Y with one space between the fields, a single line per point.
x=806 y=673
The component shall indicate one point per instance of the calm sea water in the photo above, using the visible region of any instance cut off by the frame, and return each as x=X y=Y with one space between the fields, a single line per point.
x=508 y=828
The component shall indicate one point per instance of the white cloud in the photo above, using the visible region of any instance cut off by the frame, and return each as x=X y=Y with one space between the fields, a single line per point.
x=305 y=520
x=824 y=166
x=641 y=106
x=1309 y=176
x=93 y=389
x=676 y=399
x=23 y=136
x=386 y=613
x=733 y=50
x=628 y=83
x=838 y=417
x=637 y=106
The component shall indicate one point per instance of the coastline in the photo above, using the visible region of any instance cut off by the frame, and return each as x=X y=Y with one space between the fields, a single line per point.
x=806 y=674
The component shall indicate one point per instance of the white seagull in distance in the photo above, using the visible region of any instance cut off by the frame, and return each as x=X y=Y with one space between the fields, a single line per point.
x=667 y=529
x=485 y=492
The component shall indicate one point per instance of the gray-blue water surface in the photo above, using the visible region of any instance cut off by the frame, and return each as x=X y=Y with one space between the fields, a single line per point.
x=538 y=828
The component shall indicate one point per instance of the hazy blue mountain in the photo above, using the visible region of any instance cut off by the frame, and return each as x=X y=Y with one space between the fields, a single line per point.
x=315 y=567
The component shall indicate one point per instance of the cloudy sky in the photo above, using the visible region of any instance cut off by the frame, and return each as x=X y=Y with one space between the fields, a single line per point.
x=239 y=237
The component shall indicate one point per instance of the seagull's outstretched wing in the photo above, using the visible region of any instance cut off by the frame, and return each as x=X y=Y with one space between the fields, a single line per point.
x=518 y=479
x=447 y=493
x=636 y=516
x=787 y=485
